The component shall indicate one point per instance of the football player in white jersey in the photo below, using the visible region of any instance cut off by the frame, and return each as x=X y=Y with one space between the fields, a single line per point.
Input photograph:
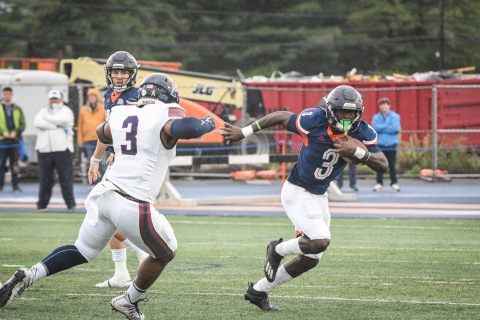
x=121 y=71
x=145 y=139
x=304 y=194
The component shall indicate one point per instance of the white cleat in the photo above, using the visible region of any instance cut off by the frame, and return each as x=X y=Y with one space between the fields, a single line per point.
x=123 y=305
x=111 y=283
x=13 y=288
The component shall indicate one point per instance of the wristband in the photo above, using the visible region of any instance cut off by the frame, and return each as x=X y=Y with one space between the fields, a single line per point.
x=248 y=130
x=367 y=157
x=94 y=160
x=258 y=126
x=359 y=153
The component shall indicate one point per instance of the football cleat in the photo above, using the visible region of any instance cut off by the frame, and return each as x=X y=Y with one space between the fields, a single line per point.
x=130 y=310
x=259 y=298
x=13 y=288
x=110 y=283
x=272 y=261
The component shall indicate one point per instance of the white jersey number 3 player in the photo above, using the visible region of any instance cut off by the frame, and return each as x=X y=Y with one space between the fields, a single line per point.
x=144 y=140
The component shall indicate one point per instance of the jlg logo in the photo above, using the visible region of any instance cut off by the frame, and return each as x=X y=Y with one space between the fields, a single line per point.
x=203 y=90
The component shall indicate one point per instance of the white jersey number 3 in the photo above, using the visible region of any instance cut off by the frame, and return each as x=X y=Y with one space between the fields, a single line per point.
x=327 y=166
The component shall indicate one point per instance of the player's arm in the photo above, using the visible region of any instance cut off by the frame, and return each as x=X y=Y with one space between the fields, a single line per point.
x=104 y=138
x=233 y=133
x=377 y=162
x=185 y=128
x=372 y=156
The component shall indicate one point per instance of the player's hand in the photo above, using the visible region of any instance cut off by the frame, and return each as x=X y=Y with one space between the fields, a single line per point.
x=231 y=133
x=111 y=159
x=209 y=121
x=93 y=173
x=345 y=146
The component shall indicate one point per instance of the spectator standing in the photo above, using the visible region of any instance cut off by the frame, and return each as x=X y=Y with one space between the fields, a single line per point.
x=91 y=116
x=55 y=150
x=351 y=174
x=12 y=124
x=387 y=125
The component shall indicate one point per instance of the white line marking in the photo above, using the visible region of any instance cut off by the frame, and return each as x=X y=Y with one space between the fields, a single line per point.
x=419 y=249
x=465 y=280
x=345 y=254
x=406 y=261
x=12 y=266
x=448 y=282
x=390 y=277
x=230 y=223
x=301 y=297
x=406 y=227
x=39 y=220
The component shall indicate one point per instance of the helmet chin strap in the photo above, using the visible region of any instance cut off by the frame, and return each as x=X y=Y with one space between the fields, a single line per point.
x=346 y=125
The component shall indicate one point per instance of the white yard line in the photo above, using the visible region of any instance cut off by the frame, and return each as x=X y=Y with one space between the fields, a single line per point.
x=301 y=298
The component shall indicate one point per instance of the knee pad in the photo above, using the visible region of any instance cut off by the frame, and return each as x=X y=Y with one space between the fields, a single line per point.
x=89 y=252
x=317 y=256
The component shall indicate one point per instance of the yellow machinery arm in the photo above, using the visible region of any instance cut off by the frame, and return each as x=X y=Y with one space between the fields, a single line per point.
x=191 y=85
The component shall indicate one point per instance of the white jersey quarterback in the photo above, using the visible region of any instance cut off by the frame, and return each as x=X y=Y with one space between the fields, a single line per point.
x=141 y=159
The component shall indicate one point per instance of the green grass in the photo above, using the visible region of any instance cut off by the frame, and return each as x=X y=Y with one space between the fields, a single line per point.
x=374 y=269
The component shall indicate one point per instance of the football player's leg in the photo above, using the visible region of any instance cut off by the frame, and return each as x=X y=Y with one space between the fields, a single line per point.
x=311 y=218
x=308 y=215
x=141 y=255
x=151 y=232
x=62 y=258
x=121 y=277
x=307 y=212
x=86 y=248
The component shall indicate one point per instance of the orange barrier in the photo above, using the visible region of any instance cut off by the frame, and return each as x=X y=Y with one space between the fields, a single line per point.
x=267 y=175
x=243 y=175
x=253 y=174
x=429 y=172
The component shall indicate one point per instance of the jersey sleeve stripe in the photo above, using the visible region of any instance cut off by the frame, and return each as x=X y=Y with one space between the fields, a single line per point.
x=374 y=141
x=303 y=132
x=177 y=111
x=370 y=142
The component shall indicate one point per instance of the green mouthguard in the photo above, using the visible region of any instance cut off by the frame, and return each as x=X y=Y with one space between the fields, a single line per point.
x=345 y=124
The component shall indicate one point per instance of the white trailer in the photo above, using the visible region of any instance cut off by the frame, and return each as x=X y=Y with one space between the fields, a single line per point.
x=30 y=89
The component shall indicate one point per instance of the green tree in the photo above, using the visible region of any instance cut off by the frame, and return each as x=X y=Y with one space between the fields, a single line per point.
x=258 y=37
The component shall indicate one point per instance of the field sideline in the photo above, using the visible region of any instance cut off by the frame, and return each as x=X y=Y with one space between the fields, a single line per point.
x=374 y=269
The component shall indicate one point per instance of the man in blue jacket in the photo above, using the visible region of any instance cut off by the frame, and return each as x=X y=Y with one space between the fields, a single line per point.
x=387 y=125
